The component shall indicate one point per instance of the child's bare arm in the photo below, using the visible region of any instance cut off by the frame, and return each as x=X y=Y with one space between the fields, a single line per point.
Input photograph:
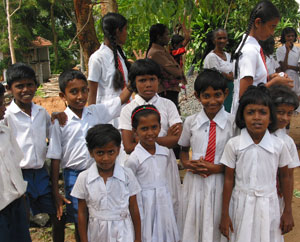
x=209 y=168
x=93 y=88
x=60 y=116
x=135 y=215
x=286 y=221
x=188 y=164
x=129 y=141
x=172 y=137
x=125 y=95
x=59 y=199
x=227 y=191
x=82 y=220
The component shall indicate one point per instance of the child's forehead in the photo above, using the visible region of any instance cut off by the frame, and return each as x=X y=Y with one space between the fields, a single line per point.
x=211 y=88
x=286 y=106
x=76 y=83
x=145 y=76
x=24 y=81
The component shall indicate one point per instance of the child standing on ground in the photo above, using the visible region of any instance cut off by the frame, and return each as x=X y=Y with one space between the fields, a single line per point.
x=67 y=148
x=149 y=162
x=106 y=192
x=14 y=226
x=206 y=133
x=30 y=125
x=251 y=162
x=144 y=78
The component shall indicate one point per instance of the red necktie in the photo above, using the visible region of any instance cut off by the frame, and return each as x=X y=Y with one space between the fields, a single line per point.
x=264 y=61
x=120 y=67
x=211 y=147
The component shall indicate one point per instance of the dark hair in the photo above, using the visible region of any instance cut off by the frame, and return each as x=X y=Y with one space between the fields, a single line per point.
x=110 y=23
x=155 y=31
x=176 y=39
x=286 y=31
x=143 y=67
x=18 y=72
x=143 y=111
x=256 y=95
x=283 y=95
x=2 y=89
x=266 y=11
x=267 y=46
x=209 y=78
x=101 y=134
x=67 y=76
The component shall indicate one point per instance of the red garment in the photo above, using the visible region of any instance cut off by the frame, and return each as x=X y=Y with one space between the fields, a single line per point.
x=264 y=60
x=211 y=147
x=177 y=54
x=120 y=67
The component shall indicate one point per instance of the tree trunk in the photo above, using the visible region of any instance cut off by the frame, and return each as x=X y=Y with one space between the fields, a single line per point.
x=10 y=34
x=110 y=6
x=54 y=35
x=86 y=28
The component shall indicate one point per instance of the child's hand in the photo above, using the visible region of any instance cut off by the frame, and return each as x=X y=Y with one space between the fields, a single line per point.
x=59 y=201
x=225 y=225
x=286 y=222
x=173 y=130
x=61 y=117
x=139 y=55
x=190 y=165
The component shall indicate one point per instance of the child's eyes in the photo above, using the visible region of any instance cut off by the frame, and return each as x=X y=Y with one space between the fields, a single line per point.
x=154 y=127
x=100 y=153
x=73 y=91
x=84 y=90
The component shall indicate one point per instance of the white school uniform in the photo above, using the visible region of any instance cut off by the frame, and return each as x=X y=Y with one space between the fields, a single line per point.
x=293 y=60
x=214 y=61
x=108 y=203
x=272 y=64
x=254 y=207
x=102 y=70
x=30 y=132
x=168 y=117
x=250 y=64
x=155 y=203
x=202 y=197
x=68 y=144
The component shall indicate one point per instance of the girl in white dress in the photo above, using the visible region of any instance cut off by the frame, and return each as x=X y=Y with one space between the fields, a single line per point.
x=106 y=192
x=251 y=162
x=149 y=162
x=203 y=182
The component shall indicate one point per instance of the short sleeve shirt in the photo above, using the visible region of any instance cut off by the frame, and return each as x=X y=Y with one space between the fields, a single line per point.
x=214 y=61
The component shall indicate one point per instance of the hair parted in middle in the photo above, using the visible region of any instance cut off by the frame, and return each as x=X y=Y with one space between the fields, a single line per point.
x=143 y=111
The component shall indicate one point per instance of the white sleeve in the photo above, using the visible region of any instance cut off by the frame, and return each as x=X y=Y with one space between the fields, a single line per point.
x=79 y=189
x=125 y=118
x=173 y=115
x=55 y=144
x=211 y=61
x=247 y=64
x=284 y=157
x=294 y=154
x=229 y=155
x=186 y=134
x=280 y=54
x=131 y=163
x=133 y=184
x=107 y=110
x=95 y=69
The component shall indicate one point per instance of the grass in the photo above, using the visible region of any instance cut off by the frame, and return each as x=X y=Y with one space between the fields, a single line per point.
x=39 y=92
x=296 y=193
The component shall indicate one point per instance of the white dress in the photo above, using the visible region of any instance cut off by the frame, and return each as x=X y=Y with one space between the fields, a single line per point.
x=155 y=203
x=202 y=197
x=108 y=204
x=272 y=64
x=169 y=116
x=214 y=61
x=254 y=207
x=293 y=60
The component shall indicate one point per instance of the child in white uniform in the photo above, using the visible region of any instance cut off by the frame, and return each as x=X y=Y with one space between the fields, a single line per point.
x=203 y=183
x=251 y=162
x=149 y=162
x=107 y=192
x=143 y=76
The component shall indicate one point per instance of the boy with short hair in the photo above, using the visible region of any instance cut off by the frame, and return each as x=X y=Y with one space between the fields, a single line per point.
x=67 y=146
x=13 y=221
x=30 y=125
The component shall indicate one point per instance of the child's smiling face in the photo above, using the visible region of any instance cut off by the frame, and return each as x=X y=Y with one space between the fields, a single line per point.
x=284 y=113
x=147 y=86
x=23 y=91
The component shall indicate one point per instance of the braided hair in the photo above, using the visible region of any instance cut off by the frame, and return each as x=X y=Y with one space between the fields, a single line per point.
x=110 y=23
x=155 y=31
x=266 y=11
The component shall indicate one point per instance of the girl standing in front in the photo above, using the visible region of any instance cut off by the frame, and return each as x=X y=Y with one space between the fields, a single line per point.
x=250 y=64
x=108 y=66
x=149 y=162
x=251 y=162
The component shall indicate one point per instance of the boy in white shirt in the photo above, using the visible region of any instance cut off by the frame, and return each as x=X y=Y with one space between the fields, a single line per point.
x=67 y=148
x=30 y=125
x=13 y=224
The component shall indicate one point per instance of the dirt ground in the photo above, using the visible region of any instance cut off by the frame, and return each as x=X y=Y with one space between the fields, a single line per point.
x=56 y=104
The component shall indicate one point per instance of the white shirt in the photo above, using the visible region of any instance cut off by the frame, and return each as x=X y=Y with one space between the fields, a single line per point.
x=272 y=64
x=255 y=165
x=291 y=146
x=108 y=203
x=102 y=70
x=214 y=61
x=30 y=132
x=195 y=133
x=167 y=109
x=12 y=185
x=68 y=143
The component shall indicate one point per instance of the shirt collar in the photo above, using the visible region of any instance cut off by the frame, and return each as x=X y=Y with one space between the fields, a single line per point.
x=143 y=154
x=14 y=108
x=253 y=41
x=220 y=118
x=118 y=173
x=72 y=115
x=280 y=133
x=246 y=141
x=141 y=101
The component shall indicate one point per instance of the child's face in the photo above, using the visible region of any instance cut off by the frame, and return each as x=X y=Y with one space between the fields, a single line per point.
x=76 y=95
x=257 y=119
x=2 y=107
x=23 y=91
x=290 y=37
x=148 y=130
x=121 y=35
x=212 y=101
x=265 y=30
x=105 y=156
x=147 y=86
x=284 y=113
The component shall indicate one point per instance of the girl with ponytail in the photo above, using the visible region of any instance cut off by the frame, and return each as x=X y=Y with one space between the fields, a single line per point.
x=108 y=66
x=250 y=64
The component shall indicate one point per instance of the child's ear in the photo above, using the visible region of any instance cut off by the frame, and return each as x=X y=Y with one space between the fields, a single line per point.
x=197 y=96
x=226 y=92
x=257 y=22
x=63 y=97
